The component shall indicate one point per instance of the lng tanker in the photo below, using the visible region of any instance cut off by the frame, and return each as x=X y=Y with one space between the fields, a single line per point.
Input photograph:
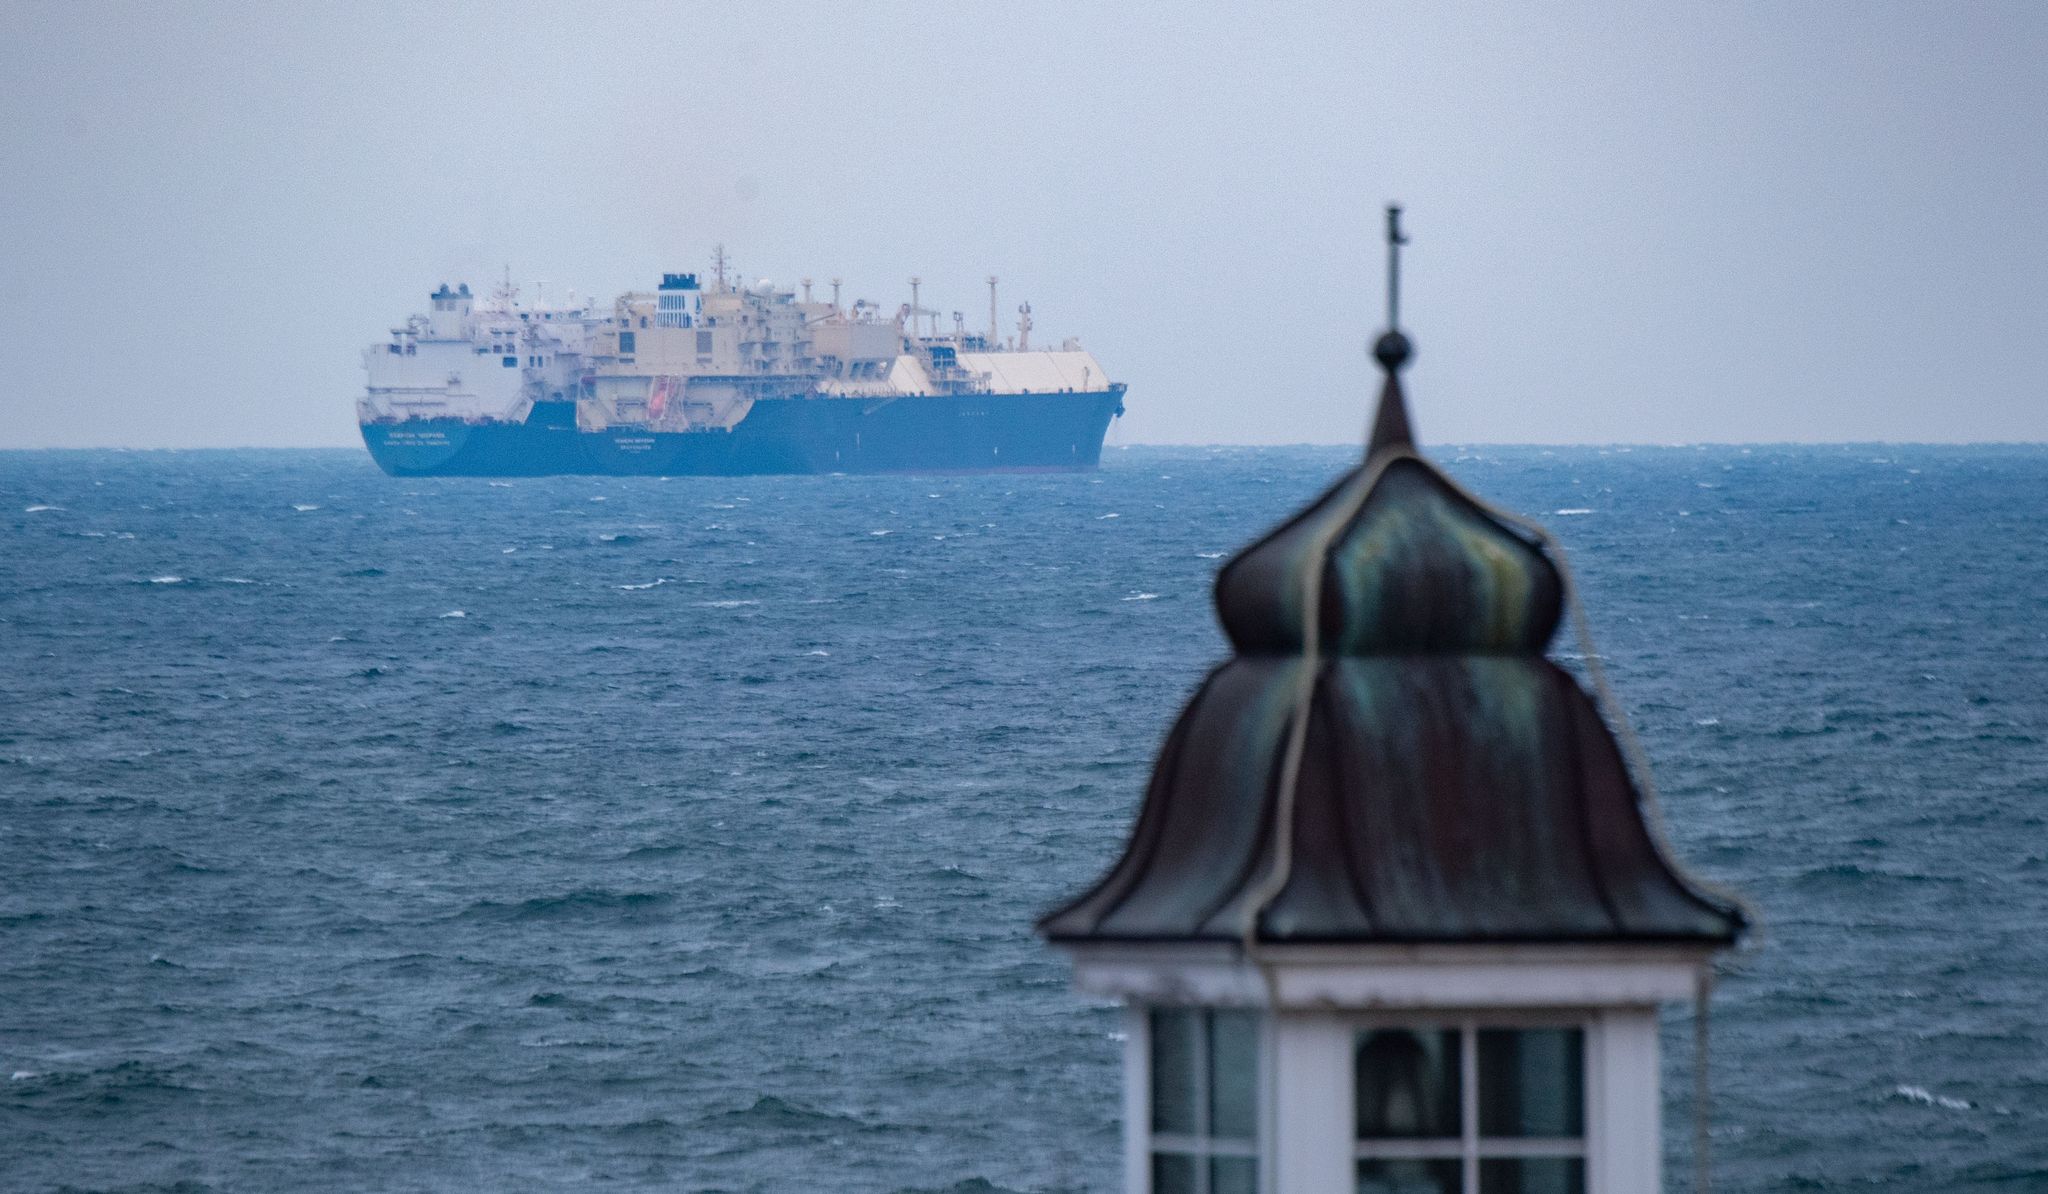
x=724 y=378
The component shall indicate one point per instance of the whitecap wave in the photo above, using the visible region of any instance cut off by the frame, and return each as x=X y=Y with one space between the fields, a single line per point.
x=1142 y=597
x=1926 y=1097
x=501 y=484
x=655 y=583
x=1570 y=512
x=1100 y=517
x=303 y=507
x=455 y=613
x=167 y=580
x=39 y=509
x=735 y=604
x=1209 y=555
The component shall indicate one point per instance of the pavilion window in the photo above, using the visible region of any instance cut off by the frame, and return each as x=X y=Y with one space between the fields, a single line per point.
x=1204 y=1115
x=1472 y=1108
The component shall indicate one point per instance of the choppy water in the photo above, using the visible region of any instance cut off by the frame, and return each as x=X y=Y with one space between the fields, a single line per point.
x=686 y=834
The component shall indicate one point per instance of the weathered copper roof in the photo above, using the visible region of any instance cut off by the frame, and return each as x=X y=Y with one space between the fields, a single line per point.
x=1455 y=785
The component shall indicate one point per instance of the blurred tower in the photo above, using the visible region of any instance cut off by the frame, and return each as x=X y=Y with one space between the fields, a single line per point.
x=1393 y=918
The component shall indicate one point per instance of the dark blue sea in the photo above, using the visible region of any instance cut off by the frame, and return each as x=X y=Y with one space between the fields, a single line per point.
x=686 y=834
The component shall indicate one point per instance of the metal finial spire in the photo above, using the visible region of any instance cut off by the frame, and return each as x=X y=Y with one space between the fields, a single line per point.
x=1393 y=349
x=1390 y=428
x=1394 y=242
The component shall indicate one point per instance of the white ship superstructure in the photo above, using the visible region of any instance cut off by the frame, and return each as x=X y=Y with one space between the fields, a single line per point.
x=478 y=362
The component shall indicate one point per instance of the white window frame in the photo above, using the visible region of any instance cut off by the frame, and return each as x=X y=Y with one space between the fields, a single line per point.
x=1470 y=1147
x=1143 y=1144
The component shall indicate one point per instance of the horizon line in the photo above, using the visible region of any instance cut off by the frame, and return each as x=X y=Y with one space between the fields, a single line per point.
x=1106 y=448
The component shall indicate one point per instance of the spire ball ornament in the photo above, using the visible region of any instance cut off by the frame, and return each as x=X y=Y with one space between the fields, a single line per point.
x=1393 y=351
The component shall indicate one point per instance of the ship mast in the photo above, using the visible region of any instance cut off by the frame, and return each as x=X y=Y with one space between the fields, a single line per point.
x=995 y=331
x=718 y=266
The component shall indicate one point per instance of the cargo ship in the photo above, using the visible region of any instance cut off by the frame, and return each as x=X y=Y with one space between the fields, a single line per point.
x=724 y=378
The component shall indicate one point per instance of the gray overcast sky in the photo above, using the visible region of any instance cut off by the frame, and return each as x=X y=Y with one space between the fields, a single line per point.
x=1641 y=223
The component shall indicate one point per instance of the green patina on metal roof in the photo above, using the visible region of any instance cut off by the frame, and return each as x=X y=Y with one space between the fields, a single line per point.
x=1456 y=785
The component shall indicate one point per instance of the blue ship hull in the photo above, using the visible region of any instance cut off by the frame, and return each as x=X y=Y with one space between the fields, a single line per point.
x=946 y=433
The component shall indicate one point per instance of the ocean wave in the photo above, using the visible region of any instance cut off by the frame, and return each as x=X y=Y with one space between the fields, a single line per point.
x=581 y=902
x=657 y=582
x=1926 y=1097
x=970 y=1185
x=644 y=853
x=1854 y=873
x=772 y=1113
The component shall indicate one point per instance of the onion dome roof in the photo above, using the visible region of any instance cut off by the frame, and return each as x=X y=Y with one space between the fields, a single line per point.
x=1452 y=783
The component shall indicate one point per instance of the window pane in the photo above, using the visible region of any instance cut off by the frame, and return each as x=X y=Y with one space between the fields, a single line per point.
x=1233 y=1175
x=1406 y=1083
x=1538 y=1175
x=1233 y=1075
x=1531 y=1082
x=1409 y=1177
x=1172 y=1174
x=1176 y=1051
